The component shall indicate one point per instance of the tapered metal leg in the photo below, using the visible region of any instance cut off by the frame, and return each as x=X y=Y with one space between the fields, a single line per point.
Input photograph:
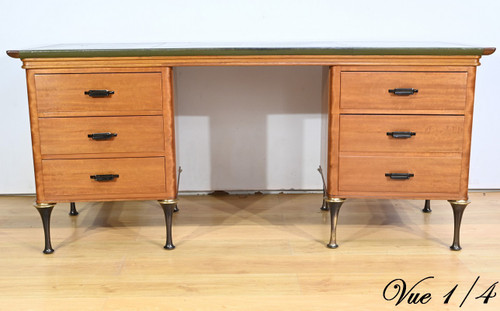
x=72 y=209
x=334 y=205
x=179 y=171
x=324 y=206
x=427 y=206
x=458 y=210
x=168 y=208
x=45 y=209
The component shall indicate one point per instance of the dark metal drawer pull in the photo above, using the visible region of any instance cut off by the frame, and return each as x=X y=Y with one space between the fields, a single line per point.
x=399 y=175
x=106 y=177
x=401 y=134
x=403 y=92
x=102 y=136
x=99 y=93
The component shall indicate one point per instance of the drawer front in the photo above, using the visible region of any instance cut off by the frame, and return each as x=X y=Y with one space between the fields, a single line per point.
x=71 y=135
x=133 y=92
x=368 y=174
x=378 y=133
x=73 y=177
x=436 y=90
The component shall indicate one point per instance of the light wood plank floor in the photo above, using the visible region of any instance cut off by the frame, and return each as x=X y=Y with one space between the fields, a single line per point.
x=260 y=252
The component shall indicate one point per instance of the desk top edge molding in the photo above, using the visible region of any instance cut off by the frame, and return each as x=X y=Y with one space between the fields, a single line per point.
x=118 y=51
x=94 y=56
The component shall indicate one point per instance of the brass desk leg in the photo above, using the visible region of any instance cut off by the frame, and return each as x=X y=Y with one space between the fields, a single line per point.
x=334 y=205
x=458 y=210
x=72 y=209
x=324 y=206
x=176 y=209
x=45 y=209
x=168 y=208
x=427 y=206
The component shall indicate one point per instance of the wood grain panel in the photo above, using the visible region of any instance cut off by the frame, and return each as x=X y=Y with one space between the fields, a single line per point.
x=169 y=130
x=133 y=92
x=367 y=174
x=368 y=133
x=35 y=137
x=70 y=135
x=72 y=177
x=469 y=111
x=436 y=90
x=333 y=133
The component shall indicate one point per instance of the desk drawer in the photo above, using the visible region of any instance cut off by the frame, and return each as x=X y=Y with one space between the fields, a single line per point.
x=385 y=90
x=368 y=174
x=73 y=177
x=133 y=93
x=379 y=133
x=71 y=135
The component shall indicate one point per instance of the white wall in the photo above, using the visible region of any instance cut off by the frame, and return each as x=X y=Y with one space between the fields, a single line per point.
x=245 y=128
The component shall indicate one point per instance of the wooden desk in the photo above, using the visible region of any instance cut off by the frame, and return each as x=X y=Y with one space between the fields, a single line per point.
x=397 y=119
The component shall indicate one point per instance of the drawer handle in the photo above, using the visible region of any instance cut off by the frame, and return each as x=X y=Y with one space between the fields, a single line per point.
x=399 y=175
x=401 y=134
x=403 y=92
x=102 y=136
x=99 y=93
x=106 y=177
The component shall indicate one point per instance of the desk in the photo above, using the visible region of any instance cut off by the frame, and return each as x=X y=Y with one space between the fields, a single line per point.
x=397 y=120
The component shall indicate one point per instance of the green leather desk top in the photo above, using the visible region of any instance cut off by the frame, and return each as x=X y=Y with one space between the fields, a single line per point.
x=249 y=49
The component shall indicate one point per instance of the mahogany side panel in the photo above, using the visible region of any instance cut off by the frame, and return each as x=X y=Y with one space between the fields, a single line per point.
x=467 y=138
x=169 y=133
x=35 y=137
